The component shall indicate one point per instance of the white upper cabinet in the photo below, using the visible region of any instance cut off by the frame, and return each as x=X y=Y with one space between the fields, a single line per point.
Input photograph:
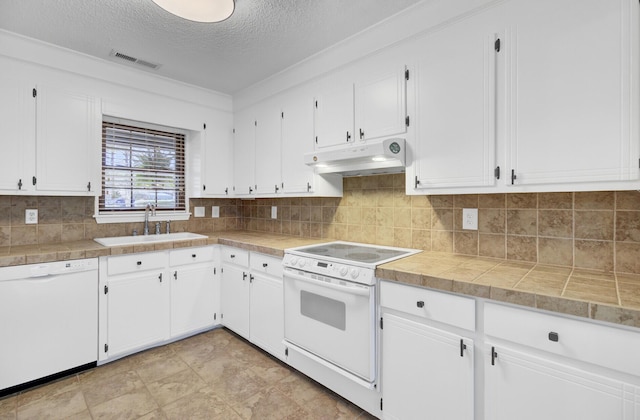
x=244 y=153
x=297 y=139
x=373 y=106
x=17 y=110
x=67 y=142
x=455 y=122
x=217 y=159
x=571 y=112
x=333 y=116
x=267 y=149
x=51 y=140
x=380 y=101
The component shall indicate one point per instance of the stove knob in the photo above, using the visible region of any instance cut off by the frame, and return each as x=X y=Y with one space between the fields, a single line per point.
x=354 y=273
x=294 y=260
x=302 y=262
x=343 y=271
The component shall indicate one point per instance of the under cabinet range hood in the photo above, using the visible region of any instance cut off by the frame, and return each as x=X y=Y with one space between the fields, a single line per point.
x=369 y=158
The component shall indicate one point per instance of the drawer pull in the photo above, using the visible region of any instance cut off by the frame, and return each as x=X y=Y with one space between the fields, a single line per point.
x=139 y=263
x=244 y=276
x=193 y=255
x=160 y=277
x=420 y=304
x=494 y=356
x=553 y=336
x=232 y=256
x=175 y=275
x=265 y=265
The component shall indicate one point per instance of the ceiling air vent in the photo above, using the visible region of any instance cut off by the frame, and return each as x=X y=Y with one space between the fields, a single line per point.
x=134 y=60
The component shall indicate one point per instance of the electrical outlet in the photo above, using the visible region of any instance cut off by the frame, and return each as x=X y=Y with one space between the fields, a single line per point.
x=470 y=219
x=274 y=212
x=215 y=211
x=31 y=216
x=198 y=212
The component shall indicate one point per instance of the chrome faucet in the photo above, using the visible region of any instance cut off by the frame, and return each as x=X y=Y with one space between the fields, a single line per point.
x=146 y=217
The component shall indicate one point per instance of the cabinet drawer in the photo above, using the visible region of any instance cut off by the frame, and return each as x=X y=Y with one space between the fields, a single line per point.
x=266 y=264
x=190 y=255
x=235 y=256
x=607 y=346
x=135 y=262
x=441 y=307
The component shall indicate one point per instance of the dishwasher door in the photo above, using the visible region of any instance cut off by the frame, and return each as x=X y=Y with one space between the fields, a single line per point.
x=48 y=319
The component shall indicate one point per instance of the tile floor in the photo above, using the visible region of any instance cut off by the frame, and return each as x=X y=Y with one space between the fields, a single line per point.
x=214 y=375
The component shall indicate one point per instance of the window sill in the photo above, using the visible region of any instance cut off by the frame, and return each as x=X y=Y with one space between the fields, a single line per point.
x=139 y=217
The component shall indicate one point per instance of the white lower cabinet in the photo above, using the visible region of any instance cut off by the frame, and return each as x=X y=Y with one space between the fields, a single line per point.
x=519 y=385
x=541 y=366
x=151 y=298
x=252 y=304
x=427 y=373
x=427 y=367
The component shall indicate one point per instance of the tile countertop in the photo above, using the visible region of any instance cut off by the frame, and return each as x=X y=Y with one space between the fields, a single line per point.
x=610 y=297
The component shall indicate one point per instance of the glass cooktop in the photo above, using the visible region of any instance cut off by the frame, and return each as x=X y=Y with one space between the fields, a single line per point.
x=354 y=252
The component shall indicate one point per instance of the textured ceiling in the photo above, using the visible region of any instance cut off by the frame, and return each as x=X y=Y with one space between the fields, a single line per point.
x=261 y=38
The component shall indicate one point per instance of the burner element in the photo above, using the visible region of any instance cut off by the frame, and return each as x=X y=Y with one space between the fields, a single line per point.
x=362 y=256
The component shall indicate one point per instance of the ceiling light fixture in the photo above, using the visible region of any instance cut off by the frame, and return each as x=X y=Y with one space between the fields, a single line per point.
x=199 y=10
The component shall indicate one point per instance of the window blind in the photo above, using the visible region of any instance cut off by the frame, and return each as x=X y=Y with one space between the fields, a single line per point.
x=141 y=166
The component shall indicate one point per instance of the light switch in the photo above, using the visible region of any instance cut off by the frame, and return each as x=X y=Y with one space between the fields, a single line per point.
x=215 y=211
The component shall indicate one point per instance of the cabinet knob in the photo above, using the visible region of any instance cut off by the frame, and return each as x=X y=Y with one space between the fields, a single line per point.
x=193 y=255
x=553 y=336
x=139 y=263
x=420 y=304
x=265 y=265
x=232 y=256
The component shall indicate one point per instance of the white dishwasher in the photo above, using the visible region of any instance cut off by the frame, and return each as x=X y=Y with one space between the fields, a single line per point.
x=48 y=321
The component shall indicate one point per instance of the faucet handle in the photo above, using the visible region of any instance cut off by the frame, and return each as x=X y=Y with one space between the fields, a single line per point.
x=158 y=228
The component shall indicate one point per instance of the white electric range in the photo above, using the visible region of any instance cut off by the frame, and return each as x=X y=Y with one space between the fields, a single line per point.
x=330 y=312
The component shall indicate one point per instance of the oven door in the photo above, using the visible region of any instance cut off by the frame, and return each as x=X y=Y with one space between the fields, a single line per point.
x=332 y=319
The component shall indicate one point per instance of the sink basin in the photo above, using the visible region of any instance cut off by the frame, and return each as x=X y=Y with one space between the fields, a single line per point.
x=146 y=239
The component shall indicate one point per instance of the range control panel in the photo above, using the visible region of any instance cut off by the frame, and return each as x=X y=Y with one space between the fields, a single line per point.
x=331 y=269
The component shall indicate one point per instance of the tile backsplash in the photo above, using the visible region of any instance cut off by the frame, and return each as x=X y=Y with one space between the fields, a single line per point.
x=592 y=230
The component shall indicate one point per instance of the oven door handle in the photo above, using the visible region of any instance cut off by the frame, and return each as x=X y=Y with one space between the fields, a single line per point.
x=360 y=291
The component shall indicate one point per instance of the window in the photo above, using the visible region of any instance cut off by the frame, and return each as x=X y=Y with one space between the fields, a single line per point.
x=141 y=166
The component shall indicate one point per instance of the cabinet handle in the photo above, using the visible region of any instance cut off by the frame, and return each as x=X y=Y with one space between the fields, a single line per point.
x=553 y=336
x=494 y=356
x=250 y=190
x=160 y=277
x=20 y=184
x=265 y=265
x=361 y=134
x=348 y=136
x=463 y=347
x=244 y=276
x=420 y=304
x=251 y=278
x=175 y=275
x=139 y=263
x=513 y=176
x=193 y=255
x=232 y=256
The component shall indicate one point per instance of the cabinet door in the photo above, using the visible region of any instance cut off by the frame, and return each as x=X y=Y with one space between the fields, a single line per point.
x=381 y=103
x=17 y=119
x=333 y=116
x=455 y=136
x=267 y=314
x=427 y=373
x=297 y=139
x=521 y=386
x=569 y=90
x=138 y=311
x=218 y=159
x=235 y=299
x=67 y=142
x=268 y=146
x=244 y=169
x=192 y=299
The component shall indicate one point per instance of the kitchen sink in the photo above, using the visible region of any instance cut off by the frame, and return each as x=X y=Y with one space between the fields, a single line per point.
x=145 y=239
